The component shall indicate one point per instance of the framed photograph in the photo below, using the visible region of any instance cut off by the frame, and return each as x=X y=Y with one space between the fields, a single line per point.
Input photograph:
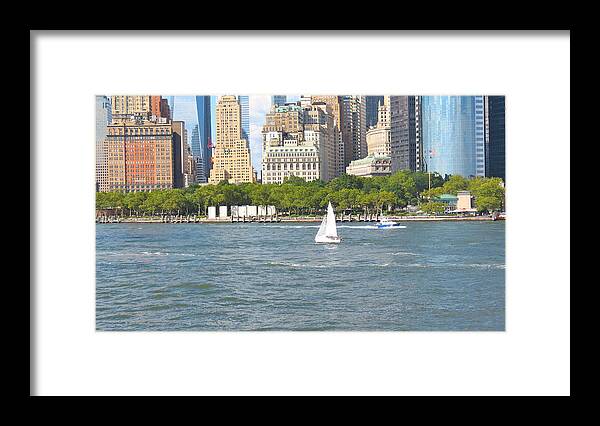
x=251 y=212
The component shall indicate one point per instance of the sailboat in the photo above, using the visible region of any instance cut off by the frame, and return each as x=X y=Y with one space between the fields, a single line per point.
x=328 y=231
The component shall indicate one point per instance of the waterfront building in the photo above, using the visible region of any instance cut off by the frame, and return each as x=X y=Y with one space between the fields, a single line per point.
x=298 y=141
x=278 y=100
x=103 y=119
x=372 y=109
x=289 y=157
x=195 y=111
x=231 y=160
x=140 y=155
x=463 y=201
x=245 y=114
x=370 y=166
x=449 y=136
x=405 y=133
x=495 y=146
x=379 y=136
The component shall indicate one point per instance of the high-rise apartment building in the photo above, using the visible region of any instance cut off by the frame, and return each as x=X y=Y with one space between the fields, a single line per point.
x=495 y=146
x=195 y=111
x=405 y=126
x=140 y=155
x=449 y=134
x=335 y=105
x=245 y=113
x=354 y=127
x=278 y=100
x=372 y=109
x=103 y=119
x=299 y=140
x=231 y=160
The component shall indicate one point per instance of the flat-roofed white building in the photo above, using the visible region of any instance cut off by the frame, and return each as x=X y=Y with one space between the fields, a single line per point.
x=371 y=165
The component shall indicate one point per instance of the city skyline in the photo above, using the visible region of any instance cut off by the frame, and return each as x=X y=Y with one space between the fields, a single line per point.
x=449 y=135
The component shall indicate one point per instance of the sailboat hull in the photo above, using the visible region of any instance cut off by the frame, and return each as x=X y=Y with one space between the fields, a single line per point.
x=328 y=240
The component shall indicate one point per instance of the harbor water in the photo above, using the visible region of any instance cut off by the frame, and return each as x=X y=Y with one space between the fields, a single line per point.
x=429 y=276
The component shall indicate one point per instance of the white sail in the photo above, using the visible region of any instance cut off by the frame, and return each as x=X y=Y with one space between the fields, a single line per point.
x=321 y=232
x=330 y=228
x=327 y=231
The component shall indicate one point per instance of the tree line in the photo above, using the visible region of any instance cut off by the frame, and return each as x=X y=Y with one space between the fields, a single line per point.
x=296 y=196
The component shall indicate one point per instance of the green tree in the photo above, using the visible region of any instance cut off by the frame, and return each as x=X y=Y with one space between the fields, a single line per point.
x=134 y=201
x=345 y=181
x=455 y=183
x=488 y=193
x=432 y=207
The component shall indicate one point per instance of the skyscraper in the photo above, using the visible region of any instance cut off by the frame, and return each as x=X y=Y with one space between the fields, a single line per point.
x=372 y=104
x=195 y=112
x=355 y=127
x=231 y=161
x=378 y=136
x=334 y=103
x=245 y=110
x=140 y=155
x=358 y=109
x=480 y=138
x=495 y=148
x=103 y=119
x=278 y=100
x=449 y=134
x=405 y=133
x=179 y=153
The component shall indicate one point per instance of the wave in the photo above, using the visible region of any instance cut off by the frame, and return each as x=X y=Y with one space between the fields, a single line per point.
x=454 y=265
x=156 y=253
x=298 y=265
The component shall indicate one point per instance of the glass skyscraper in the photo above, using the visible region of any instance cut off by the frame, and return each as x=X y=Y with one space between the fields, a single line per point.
x=195 y=112
x=245 y=107
x=479 y=136
x=372 y=109
x=405 y=142
x=451 y=134
x=103 y=119
x=496 y=137
x=278 y=100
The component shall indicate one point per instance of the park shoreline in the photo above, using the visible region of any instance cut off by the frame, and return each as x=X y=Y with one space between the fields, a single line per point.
x=230 y=220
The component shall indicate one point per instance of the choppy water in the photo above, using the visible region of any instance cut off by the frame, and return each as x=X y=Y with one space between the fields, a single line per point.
x=427 y=276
